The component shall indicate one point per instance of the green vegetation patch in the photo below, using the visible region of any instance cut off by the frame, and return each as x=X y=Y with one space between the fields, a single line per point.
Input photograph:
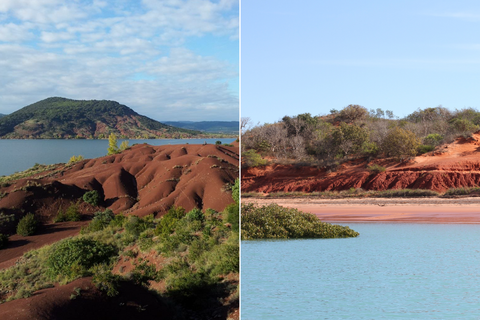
x=92 y=197
x=72 y=258
x=274 y=221
x=27 y=225
x=462 y=191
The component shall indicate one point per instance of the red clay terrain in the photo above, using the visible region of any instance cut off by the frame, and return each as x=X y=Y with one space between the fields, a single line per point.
x=449 y=166
x=81 y=300
x=140 y=181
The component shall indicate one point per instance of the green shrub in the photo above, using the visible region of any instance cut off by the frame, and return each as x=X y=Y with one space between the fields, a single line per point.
x=100 y=221
x=195 y=214
x=135 y=225
x=27 y=225
x=75 y=257
x=118 y=220
x=218 y=142
x=74 y=159
x=462 y=191
x=425 y=148
x=190 y=288
x=168 y=222
x=274 y=221
x=72 y=214
x=433 y=139
x=92 y=197
x=252 y=159
x=105 y=280
x=3 y=240
x=233 y=215
x=406 y=193
x=376 y=168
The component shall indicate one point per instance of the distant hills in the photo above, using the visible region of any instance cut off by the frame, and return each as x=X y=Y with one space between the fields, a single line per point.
x=2 y=115
x=86 y=119
x=228 y=127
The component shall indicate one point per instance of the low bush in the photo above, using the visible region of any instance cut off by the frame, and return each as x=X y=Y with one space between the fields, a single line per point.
x=167 y=223
x=27 y=225
x=424 y=148
x=71 y=214
x=105 y=280
x=252 y=159
x=74 y=159
x=100 y=221
x=274 y=221
x=3 y=240
x=233 y=216
x=195 y=214
x=92 y=197
x=135 y=225
x=406 y=193
x=376 y=168
x=462 y=191
x=75 y=257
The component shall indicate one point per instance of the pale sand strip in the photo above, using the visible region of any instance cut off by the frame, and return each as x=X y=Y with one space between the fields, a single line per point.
x=414 y=210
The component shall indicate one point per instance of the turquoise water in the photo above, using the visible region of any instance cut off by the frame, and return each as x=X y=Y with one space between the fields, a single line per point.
x=19 y=155
x=391 y=271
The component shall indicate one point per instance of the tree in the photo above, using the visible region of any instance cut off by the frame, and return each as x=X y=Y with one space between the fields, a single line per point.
x=352 y=113
x=123 y=145
x=400 y=143
x=112 y=144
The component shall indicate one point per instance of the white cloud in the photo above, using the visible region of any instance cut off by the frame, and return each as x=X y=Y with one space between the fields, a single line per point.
x=56 y=36
x=110 y=50
x=11 y=32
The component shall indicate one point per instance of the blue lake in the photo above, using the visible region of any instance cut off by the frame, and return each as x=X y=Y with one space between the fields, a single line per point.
x=391 y=271
x=19 y=155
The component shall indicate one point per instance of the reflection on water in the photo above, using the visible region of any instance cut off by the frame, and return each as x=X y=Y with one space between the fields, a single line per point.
x=391 y=271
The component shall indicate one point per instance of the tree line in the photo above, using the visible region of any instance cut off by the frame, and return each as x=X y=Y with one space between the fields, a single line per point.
x=355 y=132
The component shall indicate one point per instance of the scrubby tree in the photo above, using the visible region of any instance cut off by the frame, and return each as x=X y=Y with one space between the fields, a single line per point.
x=351 y=113
x=112 y=144
x=92 y=197
x=27 y=225
x=400 y=143
x=123 y=146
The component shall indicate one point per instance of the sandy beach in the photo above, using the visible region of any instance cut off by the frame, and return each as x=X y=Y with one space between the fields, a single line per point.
x=411 y=210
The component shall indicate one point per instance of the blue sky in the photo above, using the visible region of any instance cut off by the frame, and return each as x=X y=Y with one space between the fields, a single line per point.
x=314 y=56
x=167 y=59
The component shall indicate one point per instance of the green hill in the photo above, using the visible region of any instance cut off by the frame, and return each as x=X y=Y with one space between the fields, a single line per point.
x=65 y=118
x=228 y=127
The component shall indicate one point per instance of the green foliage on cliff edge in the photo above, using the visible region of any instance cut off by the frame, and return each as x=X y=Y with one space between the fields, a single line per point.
x=65 y=118
x=274 y=221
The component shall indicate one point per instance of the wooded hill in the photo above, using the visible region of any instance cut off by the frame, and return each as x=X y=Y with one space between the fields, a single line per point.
x=85 y=119
x=227 y=127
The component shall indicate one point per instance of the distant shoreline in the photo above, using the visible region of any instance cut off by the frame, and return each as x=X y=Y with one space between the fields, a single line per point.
x=404 y=210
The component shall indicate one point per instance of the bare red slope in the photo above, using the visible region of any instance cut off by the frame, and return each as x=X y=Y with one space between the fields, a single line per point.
x=142 y=180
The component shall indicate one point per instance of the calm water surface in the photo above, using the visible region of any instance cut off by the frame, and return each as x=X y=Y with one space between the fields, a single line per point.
x=391 y=271
x=19 y=155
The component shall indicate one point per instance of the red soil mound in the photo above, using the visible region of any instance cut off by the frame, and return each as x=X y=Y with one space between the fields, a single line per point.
x=449 y=166
x=68 y=302
x=141 y=180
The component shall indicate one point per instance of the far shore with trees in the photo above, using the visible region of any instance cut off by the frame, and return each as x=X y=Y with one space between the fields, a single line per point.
x=354 y=132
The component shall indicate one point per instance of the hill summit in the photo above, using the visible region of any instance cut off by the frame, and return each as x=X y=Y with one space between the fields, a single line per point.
x=61 y=118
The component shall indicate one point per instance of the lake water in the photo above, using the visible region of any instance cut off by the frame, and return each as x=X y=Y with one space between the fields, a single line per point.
x=391 y=271
x=19 y=155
